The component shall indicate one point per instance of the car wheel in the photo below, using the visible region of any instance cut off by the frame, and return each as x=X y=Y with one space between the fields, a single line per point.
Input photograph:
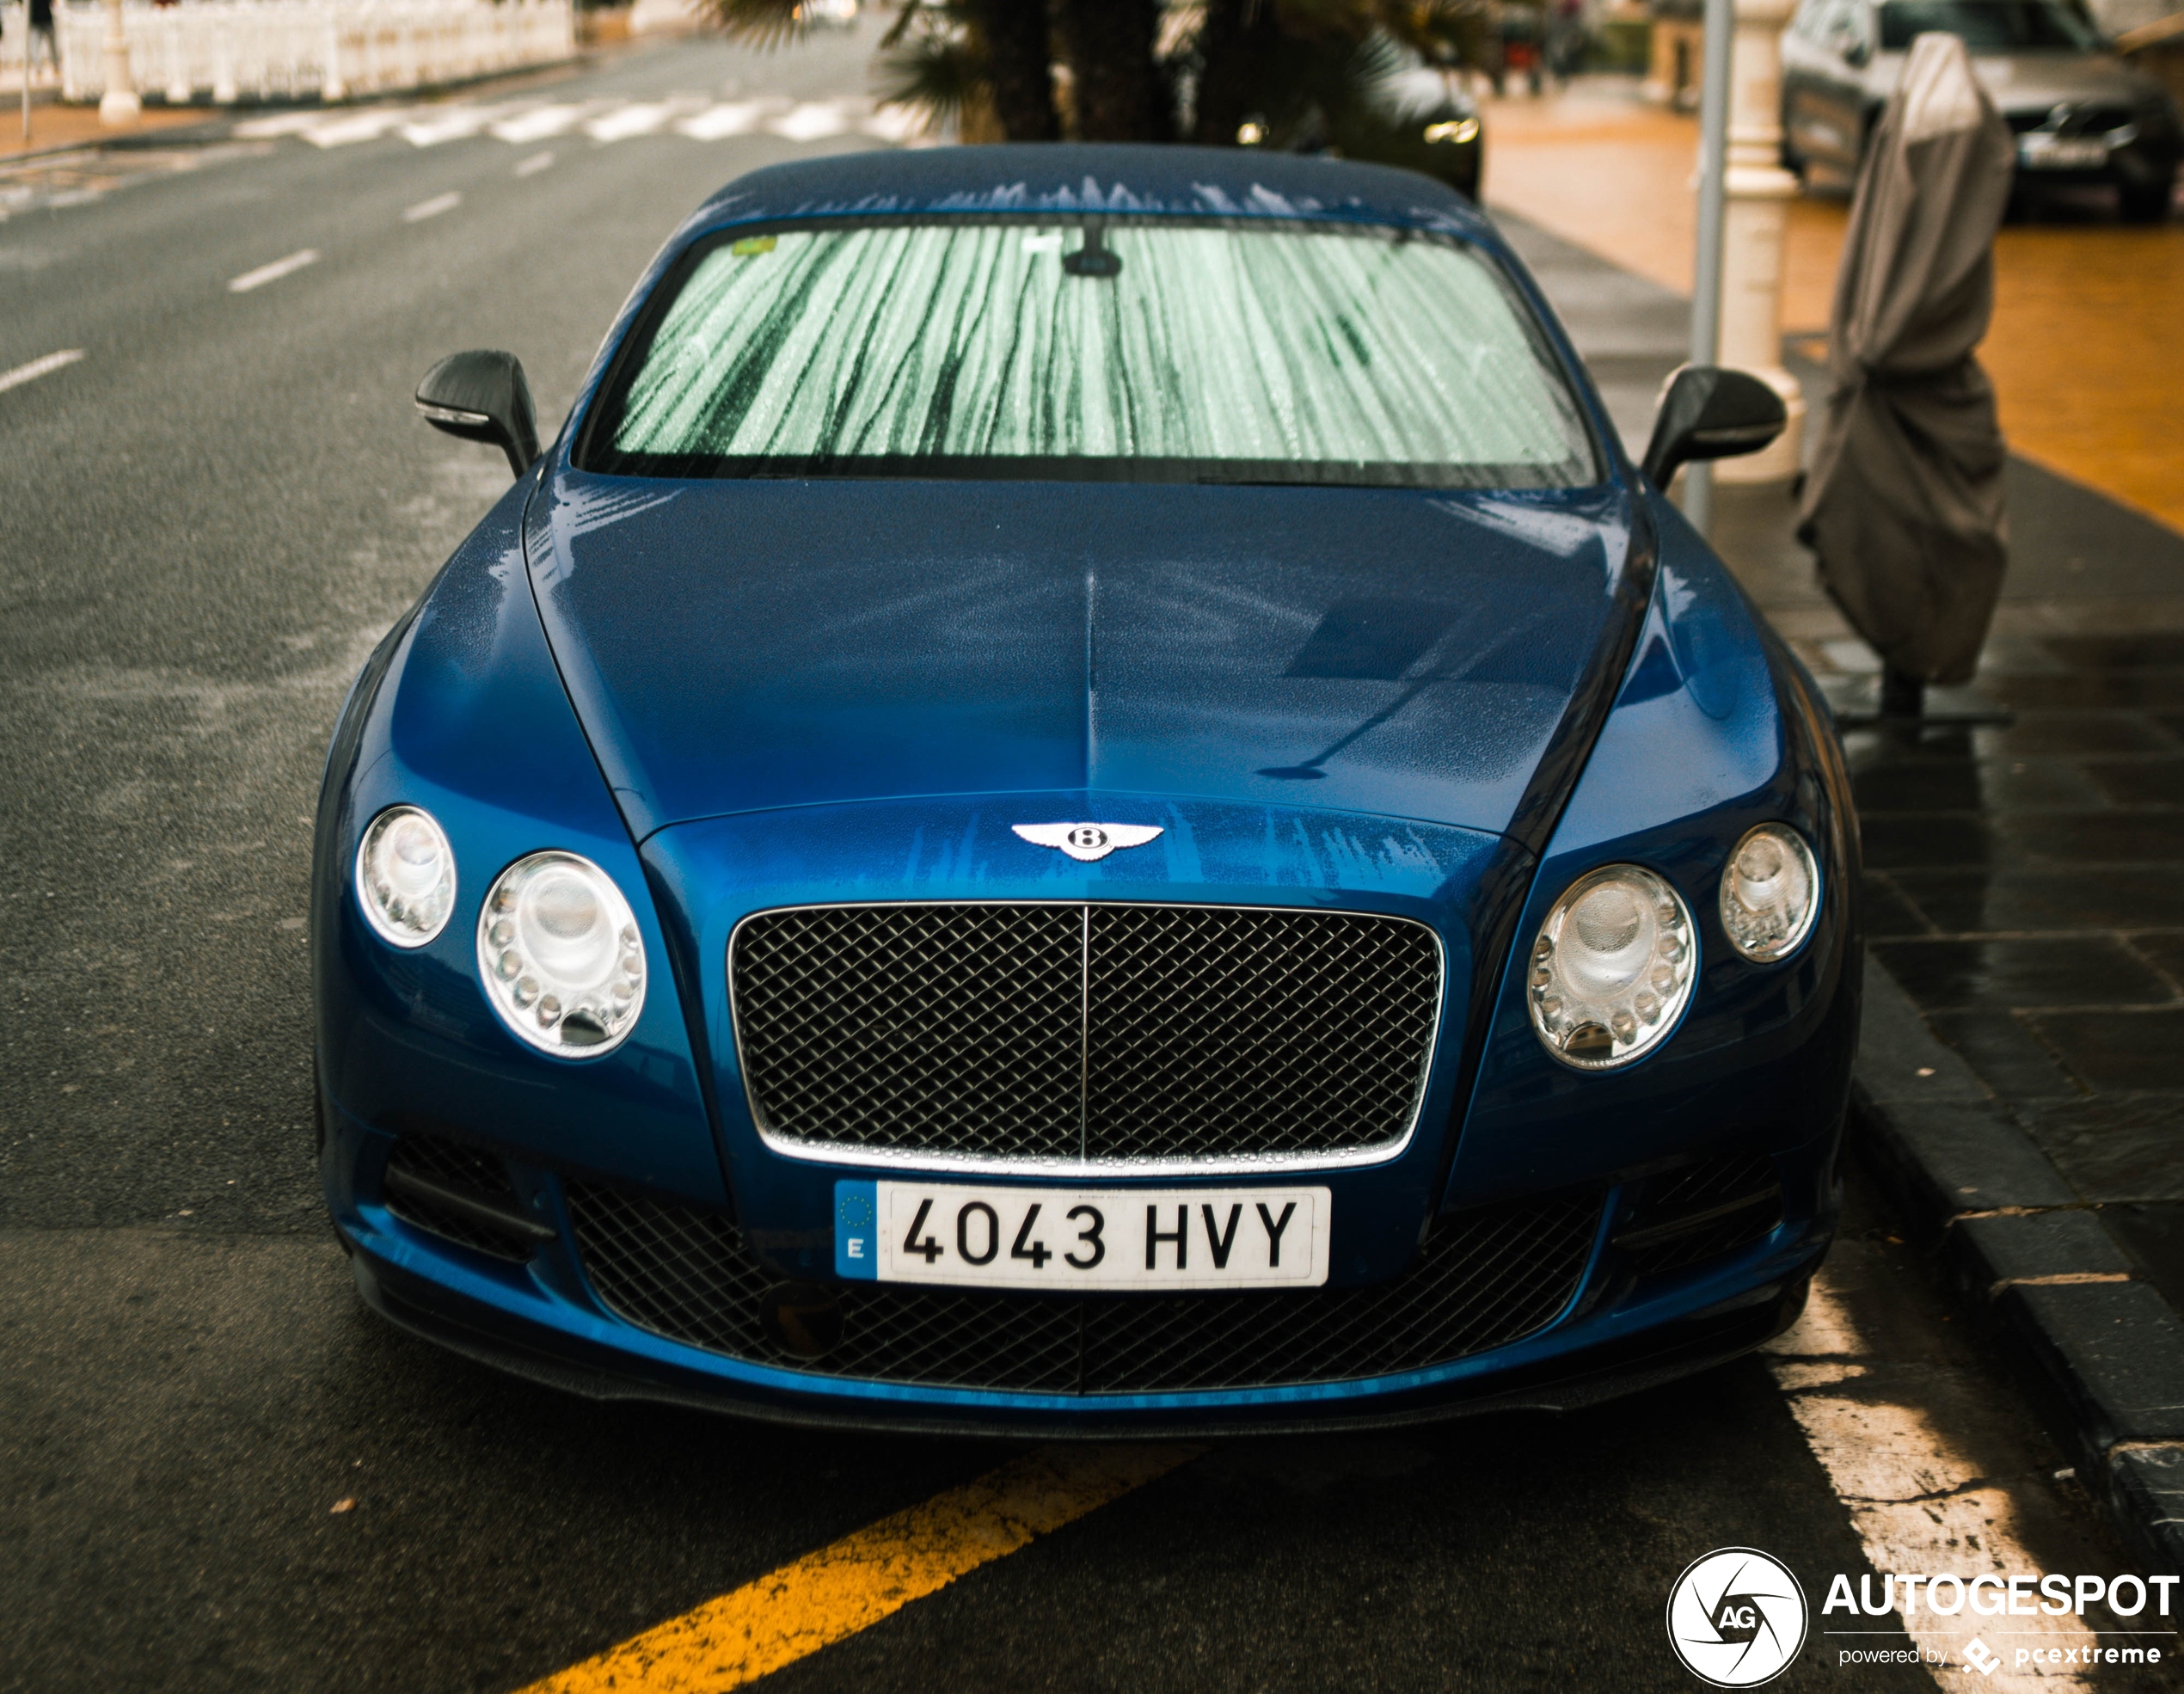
x=2146 y=202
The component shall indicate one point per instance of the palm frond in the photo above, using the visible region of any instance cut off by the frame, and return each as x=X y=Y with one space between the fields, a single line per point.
x=940 y=74
x=757 y=23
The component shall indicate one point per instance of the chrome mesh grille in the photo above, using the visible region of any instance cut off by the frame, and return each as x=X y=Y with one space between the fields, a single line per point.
x=1101 y=1031
x=1485 y=1278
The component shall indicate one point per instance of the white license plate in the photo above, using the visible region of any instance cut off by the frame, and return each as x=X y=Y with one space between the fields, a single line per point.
x=2041 y=152
x=1062 y=1240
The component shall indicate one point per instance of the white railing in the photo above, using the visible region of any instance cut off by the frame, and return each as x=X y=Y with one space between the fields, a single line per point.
x=224 y=50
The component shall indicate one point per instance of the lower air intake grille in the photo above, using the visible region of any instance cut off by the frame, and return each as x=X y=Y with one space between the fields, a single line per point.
x=1485 y=1278
x=1101 y=1031
x=450 y=1170
x=1703 y=1212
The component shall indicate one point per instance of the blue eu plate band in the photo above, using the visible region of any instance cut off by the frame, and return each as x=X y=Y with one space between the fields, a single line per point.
x=856 y=1230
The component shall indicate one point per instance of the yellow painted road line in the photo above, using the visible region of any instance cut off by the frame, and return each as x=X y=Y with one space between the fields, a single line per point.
x=871 y=1574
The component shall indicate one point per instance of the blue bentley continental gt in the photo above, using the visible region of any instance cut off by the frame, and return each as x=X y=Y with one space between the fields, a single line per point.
x=1086 y=794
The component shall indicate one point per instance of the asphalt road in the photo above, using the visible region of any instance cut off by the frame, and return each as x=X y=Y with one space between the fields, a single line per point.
x=204 y=524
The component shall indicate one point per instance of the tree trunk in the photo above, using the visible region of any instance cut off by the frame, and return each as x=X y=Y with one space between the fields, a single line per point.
x=1234 y=36
x=1019 y=58
x=1120 y=95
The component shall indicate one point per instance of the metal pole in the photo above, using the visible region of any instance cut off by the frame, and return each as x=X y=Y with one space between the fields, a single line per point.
x=25 y=73
x=1706 y=275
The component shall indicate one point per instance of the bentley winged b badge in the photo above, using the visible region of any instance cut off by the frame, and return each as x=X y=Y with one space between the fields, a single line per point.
x=1087 y=842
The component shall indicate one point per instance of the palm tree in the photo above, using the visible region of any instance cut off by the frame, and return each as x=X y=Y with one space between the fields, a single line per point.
x=1288 y=73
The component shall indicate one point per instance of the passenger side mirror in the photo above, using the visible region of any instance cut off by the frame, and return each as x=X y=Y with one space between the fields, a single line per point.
x=483 y=396
x=1711 y=412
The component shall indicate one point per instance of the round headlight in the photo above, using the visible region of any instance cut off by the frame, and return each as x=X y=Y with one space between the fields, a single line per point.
x=1612 y=968
x=405 y=876
x=1770 y=893
x=560 y=956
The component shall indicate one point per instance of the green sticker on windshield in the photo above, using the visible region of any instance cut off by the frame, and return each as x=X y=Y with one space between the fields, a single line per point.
x=750 y=244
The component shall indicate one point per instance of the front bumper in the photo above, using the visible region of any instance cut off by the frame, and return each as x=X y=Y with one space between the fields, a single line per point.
x=1625 y=1324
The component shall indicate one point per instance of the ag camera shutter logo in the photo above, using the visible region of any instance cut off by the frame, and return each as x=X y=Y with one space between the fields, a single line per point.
x=1736 y=1618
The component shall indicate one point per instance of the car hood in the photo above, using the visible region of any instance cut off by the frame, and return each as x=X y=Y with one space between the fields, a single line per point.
x=736 y=646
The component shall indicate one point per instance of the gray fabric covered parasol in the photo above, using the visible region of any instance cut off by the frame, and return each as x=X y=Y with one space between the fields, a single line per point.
x=1905 y=504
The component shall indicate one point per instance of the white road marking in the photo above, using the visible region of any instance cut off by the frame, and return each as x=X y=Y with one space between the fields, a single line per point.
x=288 y=123
x=451 y=124
x=813 y=120
x=534 y=164
x=274 y=272
x=732 y=117
x=433 y=207
x=357 y=127
x=520 y=124
x=893 y=123
x=1917 y=1502
x=640 y=119
x=540 y=122
x=38 y=367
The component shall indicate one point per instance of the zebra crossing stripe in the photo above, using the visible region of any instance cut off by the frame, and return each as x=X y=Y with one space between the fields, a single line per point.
x=734 y=117
x=540 y=123
x=640 y=119
x=456 y=125
x=521 y=123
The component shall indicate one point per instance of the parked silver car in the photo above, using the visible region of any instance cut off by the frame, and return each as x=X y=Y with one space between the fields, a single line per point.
x=2079 y=112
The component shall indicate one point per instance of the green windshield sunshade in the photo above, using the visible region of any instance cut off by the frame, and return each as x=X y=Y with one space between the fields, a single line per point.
x=1212 y=349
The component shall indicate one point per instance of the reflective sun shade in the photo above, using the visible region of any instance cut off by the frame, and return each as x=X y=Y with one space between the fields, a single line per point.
x=1150 y=350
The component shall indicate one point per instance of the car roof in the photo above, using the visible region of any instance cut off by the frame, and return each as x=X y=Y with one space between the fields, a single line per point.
x=1077 y=177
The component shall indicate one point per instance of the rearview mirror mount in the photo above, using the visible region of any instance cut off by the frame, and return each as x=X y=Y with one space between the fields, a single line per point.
x=1710 y=412
x=483 y=396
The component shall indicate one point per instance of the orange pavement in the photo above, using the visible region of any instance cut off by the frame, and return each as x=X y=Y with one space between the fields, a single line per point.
x=53 y=125
x=2087 y=350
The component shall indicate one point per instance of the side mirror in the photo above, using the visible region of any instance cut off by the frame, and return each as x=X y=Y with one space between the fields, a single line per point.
x=1710 y=413
x=483 y=396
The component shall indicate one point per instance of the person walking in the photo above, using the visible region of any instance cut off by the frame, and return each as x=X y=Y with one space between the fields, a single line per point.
x=41 y=27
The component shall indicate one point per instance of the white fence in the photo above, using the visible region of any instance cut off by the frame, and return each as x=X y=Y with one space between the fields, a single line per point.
x=230 y=50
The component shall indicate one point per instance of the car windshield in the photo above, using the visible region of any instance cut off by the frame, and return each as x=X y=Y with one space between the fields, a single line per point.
x=1145 y=351
x=1988 y=26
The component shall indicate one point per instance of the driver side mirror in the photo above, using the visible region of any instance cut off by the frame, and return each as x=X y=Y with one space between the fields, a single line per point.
x=483 y=396
x=1711 y=412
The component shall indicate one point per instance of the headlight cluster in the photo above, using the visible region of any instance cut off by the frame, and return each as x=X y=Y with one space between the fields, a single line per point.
x=559 y=952
x=405 y=876
x=1769 y=894
x=1612 y=968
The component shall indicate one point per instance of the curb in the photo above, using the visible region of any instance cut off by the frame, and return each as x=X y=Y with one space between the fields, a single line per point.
x=2099 y=1353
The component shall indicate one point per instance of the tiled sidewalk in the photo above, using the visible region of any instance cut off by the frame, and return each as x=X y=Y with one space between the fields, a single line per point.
x=2020 y=1085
